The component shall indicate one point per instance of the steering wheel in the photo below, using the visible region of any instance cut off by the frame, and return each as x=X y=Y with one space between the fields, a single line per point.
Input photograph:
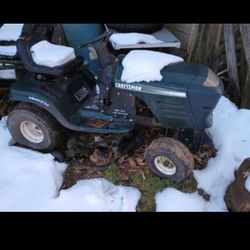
x=105 y=35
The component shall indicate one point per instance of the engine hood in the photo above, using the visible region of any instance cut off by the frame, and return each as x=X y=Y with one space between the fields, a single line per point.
x=176 y=79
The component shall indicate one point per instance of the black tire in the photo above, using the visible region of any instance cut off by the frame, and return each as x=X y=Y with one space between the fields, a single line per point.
x=42 y=119
x=138 y=27
x=178 y=155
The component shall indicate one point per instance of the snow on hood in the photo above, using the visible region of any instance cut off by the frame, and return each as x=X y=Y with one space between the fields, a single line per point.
x=133 y=38
x=31 y=181
x=10 y=31
x=231 y=137
x=146 y=65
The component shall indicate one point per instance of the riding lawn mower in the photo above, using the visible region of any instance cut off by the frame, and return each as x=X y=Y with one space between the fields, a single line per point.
x=49 y=102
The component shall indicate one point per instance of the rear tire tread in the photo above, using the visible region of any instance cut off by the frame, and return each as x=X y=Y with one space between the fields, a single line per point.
x=42 y=116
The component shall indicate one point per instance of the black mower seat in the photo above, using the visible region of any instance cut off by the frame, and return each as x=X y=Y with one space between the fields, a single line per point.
x=57 y=63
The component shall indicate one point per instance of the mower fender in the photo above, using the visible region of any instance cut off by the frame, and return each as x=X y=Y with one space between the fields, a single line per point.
x=42 y=101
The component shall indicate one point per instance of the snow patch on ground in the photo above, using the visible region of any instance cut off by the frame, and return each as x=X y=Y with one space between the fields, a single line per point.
x=146 y=65
x=27 y=178
x=133 y=38
x=97 y=195
x=10 y=32
x=8 y=50
x=173 y=200
x=247 y=183
x=51 y=55
x=31 y=181
x=231 y=137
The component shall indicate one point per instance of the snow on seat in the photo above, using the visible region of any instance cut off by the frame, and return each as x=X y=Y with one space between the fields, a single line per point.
x=51 y=55
x=133 y=38
x=146 y=65
x=10 y=32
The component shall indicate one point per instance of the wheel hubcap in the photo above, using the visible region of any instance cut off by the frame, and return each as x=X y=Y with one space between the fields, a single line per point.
x=165 y=165
x=31 y=132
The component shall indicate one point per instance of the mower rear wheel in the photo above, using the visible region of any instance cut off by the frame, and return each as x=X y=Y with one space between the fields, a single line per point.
x=33 y=127
x=169 y=158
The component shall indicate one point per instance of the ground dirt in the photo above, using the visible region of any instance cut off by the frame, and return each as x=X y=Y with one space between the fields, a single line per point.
x=131 y=170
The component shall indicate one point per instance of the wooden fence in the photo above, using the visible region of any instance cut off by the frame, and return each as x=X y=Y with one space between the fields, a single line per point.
x=225 y=48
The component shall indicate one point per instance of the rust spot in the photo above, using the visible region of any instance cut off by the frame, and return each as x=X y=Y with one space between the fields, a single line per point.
x=97 y=123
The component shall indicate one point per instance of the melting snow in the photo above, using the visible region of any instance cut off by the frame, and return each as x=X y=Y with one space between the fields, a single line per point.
x=51 y=55
x=8 y=50
x=146 y=65
x=10 y=32
x=31 y=181
x=231 y=137
x=172 y=200
x=133 y=38
x=96 y=195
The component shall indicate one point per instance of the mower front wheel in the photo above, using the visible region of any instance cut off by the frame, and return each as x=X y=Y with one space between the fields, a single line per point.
x=169 y=158
x=33 y=127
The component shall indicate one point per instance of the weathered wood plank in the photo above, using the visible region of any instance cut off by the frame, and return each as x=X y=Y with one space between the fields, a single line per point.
x=182 y=32
x=193 y=41
x=231 y=57
x=245 y=34
x=205 y=44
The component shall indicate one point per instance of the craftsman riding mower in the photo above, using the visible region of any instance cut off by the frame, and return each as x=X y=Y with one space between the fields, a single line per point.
x=48 y=101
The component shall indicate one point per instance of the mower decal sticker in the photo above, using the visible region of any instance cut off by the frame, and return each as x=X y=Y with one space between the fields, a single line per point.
x=40 y=101
x=150 y=90
x=128 y=87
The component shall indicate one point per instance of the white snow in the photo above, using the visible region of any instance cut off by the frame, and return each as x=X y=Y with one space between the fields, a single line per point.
x=96 y=195
x=27 y=178
x=10 y=32
x=146 y=65
x=247 y=183
x=51 y=55
x=31 y=181
x=172 y=200
x=8 y=74
x=8 y=50
x=133 y=38
x=231 y=137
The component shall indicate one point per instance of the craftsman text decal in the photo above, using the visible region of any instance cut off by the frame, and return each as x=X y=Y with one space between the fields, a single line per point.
x=128 y=87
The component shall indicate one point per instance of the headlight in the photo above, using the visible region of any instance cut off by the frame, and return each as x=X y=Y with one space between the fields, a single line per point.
x=212 y=79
